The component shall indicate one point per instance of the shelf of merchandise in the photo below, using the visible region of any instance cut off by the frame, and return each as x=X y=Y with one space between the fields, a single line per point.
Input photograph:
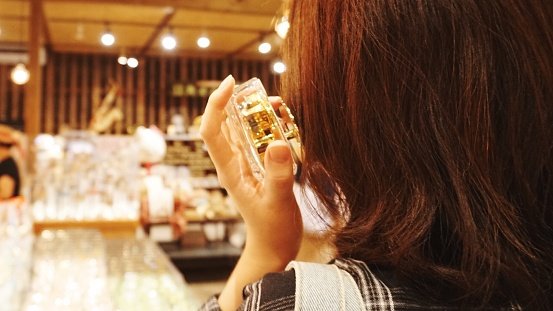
x=194 y=217
x=108 y=228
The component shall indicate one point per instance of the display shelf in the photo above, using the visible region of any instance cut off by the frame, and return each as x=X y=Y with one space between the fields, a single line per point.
x=108 y=228
x=82 y=270
x=195 y=217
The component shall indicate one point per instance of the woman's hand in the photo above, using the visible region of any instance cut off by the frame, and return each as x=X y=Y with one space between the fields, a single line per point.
x=269 y=208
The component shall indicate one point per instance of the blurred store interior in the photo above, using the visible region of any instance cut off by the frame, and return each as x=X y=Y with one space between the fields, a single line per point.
x=118 y=206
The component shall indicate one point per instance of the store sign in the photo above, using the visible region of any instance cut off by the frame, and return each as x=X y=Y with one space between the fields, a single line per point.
x=190 y=153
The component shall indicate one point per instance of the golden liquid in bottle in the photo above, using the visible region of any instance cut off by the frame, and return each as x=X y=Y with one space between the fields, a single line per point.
x=261 y=124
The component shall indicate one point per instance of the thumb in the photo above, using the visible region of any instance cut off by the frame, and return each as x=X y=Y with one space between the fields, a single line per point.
x=279 y=176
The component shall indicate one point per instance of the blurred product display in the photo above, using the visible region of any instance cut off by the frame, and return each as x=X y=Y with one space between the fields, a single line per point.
x=69 y=272
x=85 y=177
x=80 y=270
x=16 y=243
x=108 y=195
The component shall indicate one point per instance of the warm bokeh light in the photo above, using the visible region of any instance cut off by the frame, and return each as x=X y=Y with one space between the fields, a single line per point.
x=132 y=62
x=282 y=27
x=279 y=67
x=264 y=48
x=169 y=42
x=20 y=74
x=107 y=39
x=203 y=42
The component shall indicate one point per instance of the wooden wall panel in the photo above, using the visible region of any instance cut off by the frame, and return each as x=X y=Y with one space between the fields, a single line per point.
x=73 y=92
x=85 y=92
x=75 y=84
x=183 y=102
x=141 y=95
x=118 y=128
x=48 y=124
x=11 y=99
x=3 y=93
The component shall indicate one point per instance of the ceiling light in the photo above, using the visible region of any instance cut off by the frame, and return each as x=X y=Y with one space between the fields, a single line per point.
x=279 y=67
x=107 y=39
x=264 y=48
x=132 y=62
x=20 y=74
x=122 y=60
x=169 y=42
x=282 y=26
x=203 y=42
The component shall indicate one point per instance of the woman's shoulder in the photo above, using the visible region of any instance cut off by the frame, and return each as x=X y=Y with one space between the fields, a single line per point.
x=273 y=291
x=377 y=286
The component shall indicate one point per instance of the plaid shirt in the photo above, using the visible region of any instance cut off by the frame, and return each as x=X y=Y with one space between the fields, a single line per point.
x=276 y=291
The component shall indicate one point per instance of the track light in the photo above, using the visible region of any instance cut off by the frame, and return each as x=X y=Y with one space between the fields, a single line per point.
x=168 y=41
x=107 y=39
x=279 y=67
x=203 y=42
x=132 y=62
x=122 y=60
x=264 y=48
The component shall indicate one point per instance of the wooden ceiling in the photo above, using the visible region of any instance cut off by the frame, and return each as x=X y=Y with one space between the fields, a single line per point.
x=235 y=27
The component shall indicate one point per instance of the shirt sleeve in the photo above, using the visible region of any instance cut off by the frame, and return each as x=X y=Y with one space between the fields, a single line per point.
x=274 y=291
x=211 y=304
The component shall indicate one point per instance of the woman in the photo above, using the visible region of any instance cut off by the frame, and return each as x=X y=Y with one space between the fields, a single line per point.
x=9 y=173
x=432 y=124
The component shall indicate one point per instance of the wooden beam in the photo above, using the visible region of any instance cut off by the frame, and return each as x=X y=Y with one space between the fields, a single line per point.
x=159 y=28
x=33 y=89
x=46 y=32
x=248 y=44
x=195 y=53
x=150 y=24
x=180 y=4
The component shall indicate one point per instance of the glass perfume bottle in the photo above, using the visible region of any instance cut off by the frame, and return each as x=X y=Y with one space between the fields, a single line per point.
x=254 y=124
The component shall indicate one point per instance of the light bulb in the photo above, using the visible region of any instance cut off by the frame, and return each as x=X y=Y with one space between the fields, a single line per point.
x=282 y=27
x=132 y=62
x=19 y=74
x=107 y=39
x=203 y=42
x=122 y=60
x=279 y=67
x=264 y=48
x=169 y=42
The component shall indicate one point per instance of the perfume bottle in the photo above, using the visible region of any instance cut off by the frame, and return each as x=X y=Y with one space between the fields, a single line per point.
x=254 y=124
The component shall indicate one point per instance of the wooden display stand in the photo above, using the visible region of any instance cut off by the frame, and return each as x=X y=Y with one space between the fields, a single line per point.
x=109 y=228
x=194 y=217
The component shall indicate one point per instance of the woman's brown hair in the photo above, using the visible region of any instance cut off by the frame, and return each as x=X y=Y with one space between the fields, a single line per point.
x=428 y=126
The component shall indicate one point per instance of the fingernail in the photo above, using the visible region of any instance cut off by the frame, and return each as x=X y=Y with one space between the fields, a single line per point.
x=226 y=81
x=279 y=153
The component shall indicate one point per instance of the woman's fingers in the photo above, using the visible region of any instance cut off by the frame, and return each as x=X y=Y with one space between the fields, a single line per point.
x=279 y=175
x=214 y=113
x=217 y=144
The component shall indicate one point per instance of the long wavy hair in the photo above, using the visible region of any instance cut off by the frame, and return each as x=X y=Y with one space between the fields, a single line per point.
x=428 y=130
